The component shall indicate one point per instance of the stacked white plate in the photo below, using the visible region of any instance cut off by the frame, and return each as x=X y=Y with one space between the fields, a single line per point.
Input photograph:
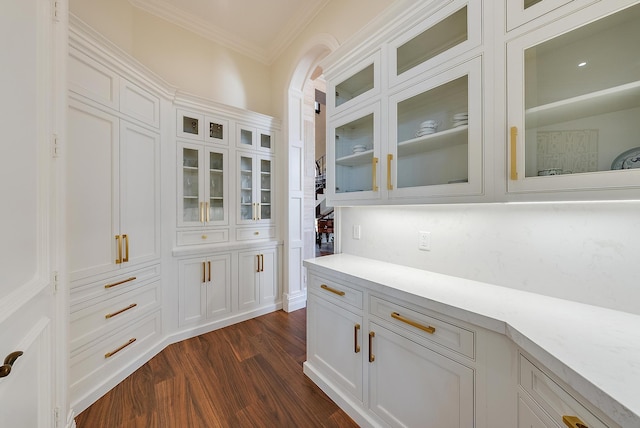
x=460 y=119
x=359 y=148
x=427 y=127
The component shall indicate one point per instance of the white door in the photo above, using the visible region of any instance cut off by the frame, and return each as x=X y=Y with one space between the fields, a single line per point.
x=30 y=252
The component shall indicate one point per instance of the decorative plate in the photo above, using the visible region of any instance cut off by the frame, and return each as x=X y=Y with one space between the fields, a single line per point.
x=627 y=160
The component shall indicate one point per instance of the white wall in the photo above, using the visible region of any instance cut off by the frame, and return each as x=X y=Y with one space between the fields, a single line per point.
x=586 y=252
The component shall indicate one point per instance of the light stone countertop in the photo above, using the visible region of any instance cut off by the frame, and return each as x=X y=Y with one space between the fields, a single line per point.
x=594 y=350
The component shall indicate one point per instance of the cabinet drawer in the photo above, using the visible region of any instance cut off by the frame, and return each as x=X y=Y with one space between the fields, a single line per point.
x=91 y=366
x=195 y=237
x=450 y=336
x=553 y=398
x=106 y=286
x=249 y=233
x=90 y=320
x=332 y=290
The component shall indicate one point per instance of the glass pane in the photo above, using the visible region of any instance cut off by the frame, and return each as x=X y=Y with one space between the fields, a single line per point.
x=433 y=136
x=216 y=189
x=265 y=141
x=354 y=155
x=582 y=99
x=246 y=137
x=246 y=188
x=190 y=125
x=190 y=183
x=444 y=35
x=216 y=130
x=265 y=189
x=355 y=85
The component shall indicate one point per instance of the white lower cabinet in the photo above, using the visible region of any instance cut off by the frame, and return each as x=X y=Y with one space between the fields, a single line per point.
x=410 y=383
x=205 y=288
x=257 y=277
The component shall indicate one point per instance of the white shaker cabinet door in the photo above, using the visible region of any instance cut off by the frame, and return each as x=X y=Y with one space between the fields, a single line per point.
x=412 y=385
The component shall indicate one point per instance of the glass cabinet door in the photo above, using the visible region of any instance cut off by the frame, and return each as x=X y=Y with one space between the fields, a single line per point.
x=522 y=11
x=191 y=211
x=247 y=211
x=577 y=119
x=255 y=188
x=265 y=189
x=354 y=172
x=436 y=138
x=216 y=206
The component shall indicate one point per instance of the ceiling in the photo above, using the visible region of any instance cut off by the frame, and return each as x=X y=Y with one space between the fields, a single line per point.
x=260 y=29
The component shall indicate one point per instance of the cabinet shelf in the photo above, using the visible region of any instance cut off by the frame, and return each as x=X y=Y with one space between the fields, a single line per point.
x=356 y=159
x=608 y=100
x=448 y=138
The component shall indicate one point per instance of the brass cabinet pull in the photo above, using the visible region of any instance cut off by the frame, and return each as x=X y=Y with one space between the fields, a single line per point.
x=125 y=238
x=204 y=272
x=113 y=314
x=133 y=278
x=209 y=263
x=374 y=173
x=426 y=328
x=389 y=183
x=513 y=142
x=261 y=262
x=333 y=290
x=258 y=215
x=208 y=216
x=573 y=422
x=356 y=347
x=119 y=348
x=8 y=363
x=119 y=245
x=201 y=212
x=372 y=357
x=258 y=261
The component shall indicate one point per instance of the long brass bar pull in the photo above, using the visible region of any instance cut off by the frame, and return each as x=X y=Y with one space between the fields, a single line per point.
x=332 y=290
x=9 y=360
x=209 y=263
x=204 y=272
x=426 y=328
x=261 y=262
x=513 y=147
x=374 y=173
x=113 y=314
x=573 y=422
x=258 y=261
x=125 y=238
x=119 y=250
x=372 y=357
x=133 y=278
x=201 y=212
x=208 y=216
x=119 y=348
x=258 y=211
x=356 y=347
x=389 y=183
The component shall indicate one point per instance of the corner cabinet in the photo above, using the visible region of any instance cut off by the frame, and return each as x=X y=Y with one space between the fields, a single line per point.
x=573 y=125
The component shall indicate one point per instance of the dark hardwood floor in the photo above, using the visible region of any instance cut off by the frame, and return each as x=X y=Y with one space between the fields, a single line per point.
x=245 y=375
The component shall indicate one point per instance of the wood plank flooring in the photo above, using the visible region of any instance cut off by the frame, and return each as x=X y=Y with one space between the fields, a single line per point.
x=245 y=375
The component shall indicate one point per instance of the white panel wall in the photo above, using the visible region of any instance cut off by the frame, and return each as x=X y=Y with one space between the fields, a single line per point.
x=587 y=252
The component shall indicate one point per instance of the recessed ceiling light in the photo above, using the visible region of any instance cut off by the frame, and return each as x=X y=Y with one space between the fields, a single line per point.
x=582 y=64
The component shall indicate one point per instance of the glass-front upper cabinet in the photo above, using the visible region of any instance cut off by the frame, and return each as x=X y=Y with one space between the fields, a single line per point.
x=358 y=83
x=204 y=128
x=435 y=136
x=202 y=186
x=444 y=35
x=252 y=138
x=255 y=188
x=574 y=103
x=352 y=150
x=522 y=11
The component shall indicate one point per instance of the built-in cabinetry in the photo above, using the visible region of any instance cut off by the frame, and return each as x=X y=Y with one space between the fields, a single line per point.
x=257 y=278
x=113 y=224
x=416 y=112
x=390 y=360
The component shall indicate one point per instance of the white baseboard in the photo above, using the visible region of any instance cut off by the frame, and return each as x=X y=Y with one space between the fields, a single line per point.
x=293 y=302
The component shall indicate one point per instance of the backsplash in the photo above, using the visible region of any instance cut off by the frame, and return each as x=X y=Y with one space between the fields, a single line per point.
x=588 y=252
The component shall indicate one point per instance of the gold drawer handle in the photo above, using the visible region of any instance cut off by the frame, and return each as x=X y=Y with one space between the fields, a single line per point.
x=356 y=347
x=573 y=422
x=333 y=290
x=113 y=314
x=133 y=278
x=426 y=328
x=372 y=357
x=514 y=141
x=119 y=348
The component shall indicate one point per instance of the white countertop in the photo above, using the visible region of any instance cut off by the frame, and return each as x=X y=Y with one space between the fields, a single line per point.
x=595 y=350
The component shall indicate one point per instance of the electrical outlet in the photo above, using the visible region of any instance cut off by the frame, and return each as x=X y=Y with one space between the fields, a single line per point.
x=424 y=241
x=356 y=231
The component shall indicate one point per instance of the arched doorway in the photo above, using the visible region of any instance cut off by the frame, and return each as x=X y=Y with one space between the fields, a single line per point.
x=299 y=132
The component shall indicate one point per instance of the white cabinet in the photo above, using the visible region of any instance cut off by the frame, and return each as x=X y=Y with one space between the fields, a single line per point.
x=202 y=193
x=257 y=278
x=255 y=183
x=573 y=125
x=520 y=12
x=199 y=126
x=205 y=288
x=253 y=138
x=114 y=192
